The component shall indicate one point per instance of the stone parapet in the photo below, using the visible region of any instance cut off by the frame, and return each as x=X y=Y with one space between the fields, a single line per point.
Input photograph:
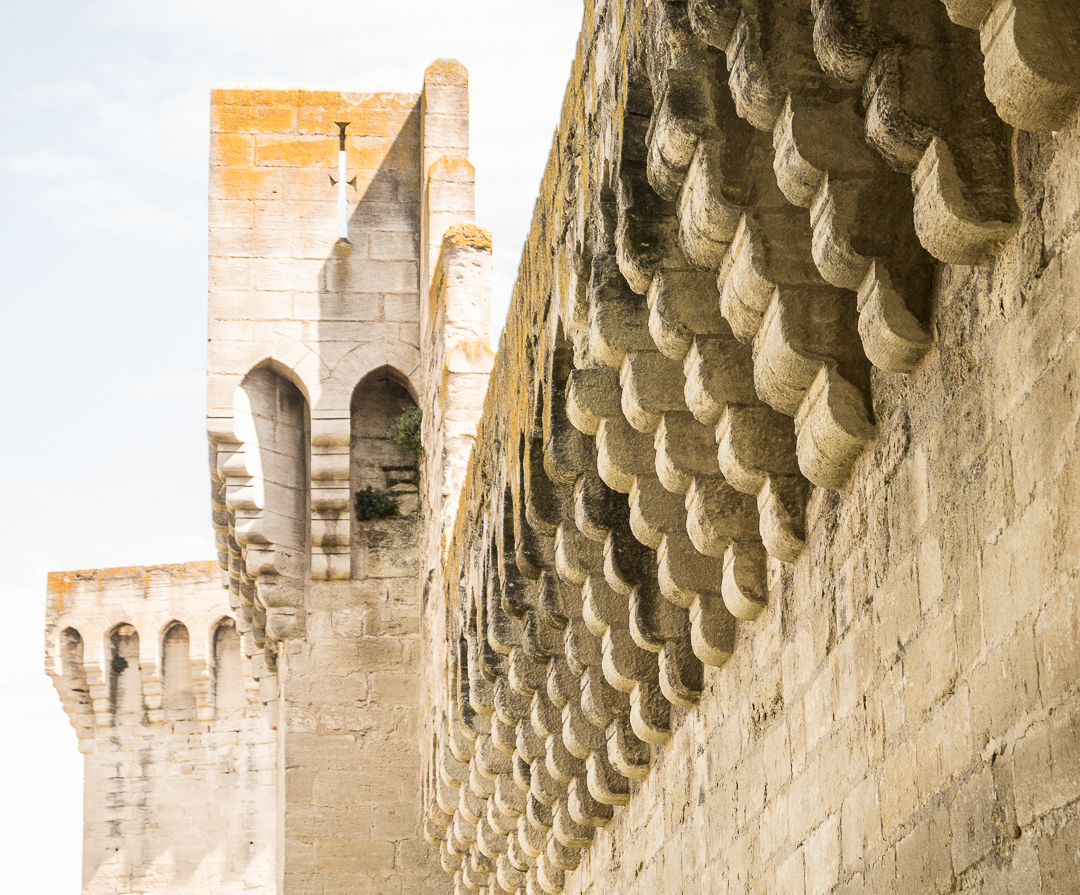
x=457 y=364
x=755 y=231
x=86 y=607
x=179 y=784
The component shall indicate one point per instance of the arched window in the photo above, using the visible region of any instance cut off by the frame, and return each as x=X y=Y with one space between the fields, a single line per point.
x=375 y=460
x=229 y=692
x=275 y=426
x=177 y=690
x=125 y=676
x=71 y=666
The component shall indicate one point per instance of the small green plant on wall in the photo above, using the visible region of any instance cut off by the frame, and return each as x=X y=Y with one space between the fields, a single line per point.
x=373 y=504
x=119 y=664
x=405 y=431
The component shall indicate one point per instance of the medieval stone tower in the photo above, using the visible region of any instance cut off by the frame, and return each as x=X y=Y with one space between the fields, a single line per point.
x=336 y=304
x=179 y=755
x=749 y=565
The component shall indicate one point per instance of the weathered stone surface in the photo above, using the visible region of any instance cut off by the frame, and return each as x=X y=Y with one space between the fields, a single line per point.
x=753 y=569
x=180 y=787
x=888 y=640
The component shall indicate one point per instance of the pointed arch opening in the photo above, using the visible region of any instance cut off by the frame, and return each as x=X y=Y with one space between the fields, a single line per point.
x=72 y=668
x=229 y=692
x=177 y=686
x=274 y=422
x=124 y=674
x=376 y=462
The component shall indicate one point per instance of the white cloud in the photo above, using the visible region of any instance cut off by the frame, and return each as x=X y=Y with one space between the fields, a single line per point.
x=73 y=192
x=168 y=385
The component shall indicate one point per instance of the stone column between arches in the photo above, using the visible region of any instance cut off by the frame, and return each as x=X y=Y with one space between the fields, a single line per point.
x=349 y=693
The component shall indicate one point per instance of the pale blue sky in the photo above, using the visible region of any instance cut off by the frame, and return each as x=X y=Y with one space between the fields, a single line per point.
x=103 y=166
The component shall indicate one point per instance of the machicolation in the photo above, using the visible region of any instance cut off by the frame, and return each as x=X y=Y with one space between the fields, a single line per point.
x=749 y=563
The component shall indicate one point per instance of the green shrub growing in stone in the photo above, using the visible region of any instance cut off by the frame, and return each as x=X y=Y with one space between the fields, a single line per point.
x=119 y=664
x=373 y=504
x=405 y=431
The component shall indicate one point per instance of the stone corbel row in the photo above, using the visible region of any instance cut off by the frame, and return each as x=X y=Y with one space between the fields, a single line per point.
x=728 y=213
x=78 y=693
x=903 y=81
x=820 y=161
x=522 y=765
x=331 y=499
x=226 y=477
x=577 y=638
x=773 y=232
x=262 y=577
x=601 y=606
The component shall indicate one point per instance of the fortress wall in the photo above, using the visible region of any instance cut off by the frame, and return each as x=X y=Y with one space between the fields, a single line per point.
x=905 y=714
x=458 y=360
x=314 y=355
x=287 y=291
x=761 y=576
x=888 y=702
x=179 y=783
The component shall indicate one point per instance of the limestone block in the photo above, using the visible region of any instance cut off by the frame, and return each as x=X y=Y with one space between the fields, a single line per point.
x=923 y=858
x=1032 y=62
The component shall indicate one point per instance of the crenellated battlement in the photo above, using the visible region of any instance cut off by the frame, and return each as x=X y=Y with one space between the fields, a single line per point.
x=171 y=629
x=746 y=565
x=180 y=755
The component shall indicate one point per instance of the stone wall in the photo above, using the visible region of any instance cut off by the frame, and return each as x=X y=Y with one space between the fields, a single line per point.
x=179 y=782
x=759 y=576
x=315 y=352
x=457 y=360
x=762 y=574
x=905 y=714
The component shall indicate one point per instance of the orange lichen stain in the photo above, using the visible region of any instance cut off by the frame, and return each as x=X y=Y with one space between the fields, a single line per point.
x=363 y=121
x=371 y=153
x=260 y=119
x=463 y=235
x=467 y=235
x=444 y=72
x=232 y=150
x=61 y=584
x=309 y=183
x=467 y=357
x=296 y=152
x=59 y=588
x=245 y=183
x=254 y=96
x=456 y=170
x=368 y=152
x=353 y=99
